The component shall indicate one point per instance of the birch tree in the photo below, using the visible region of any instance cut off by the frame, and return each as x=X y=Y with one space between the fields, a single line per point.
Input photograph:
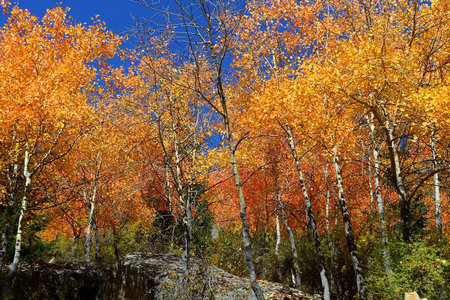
x=46 y=92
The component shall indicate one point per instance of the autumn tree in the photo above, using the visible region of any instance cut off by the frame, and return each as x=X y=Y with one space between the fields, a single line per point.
x=46 y=77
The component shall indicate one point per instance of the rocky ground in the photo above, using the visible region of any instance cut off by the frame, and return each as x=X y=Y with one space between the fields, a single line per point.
x=139 y=276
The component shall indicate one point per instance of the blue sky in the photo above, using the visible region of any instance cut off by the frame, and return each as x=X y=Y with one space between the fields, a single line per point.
x=116 y=13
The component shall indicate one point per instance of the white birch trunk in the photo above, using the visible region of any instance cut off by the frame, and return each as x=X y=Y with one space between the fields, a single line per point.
x=168 y=187
x=88 y=241
x=369 y=261
x=311 y=221
x=327 y=220
x=18 y=245
x=9 y=212
x=277 y=225
x=436 y=184
x=90 y=200
x=396 y=169
x=327 y=205
x=349 y=230
x=377 y=177
x=185 y=204
x=297 y=277
x=243 y=206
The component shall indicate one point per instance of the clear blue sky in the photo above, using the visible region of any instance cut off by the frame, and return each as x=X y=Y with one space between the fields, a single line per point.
x=116 y=13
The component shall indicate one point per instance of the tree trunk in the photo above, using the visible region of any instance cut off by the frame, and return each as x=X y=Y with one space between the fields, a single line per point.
x=298 y=282
x=88 y=242
x=187 y=220
x=327 y=220
x=91 y=205
x=348 y=229
x=377 y=177
x=13 y=174
x=405 y=211
x=436 y=184
x=369 y=261
x=184 y=202
x=311 y=221
x=168 y=187
x=18 y=245
x=277 y=225
x=91 y=222
x=243 y=206
x=327 y=205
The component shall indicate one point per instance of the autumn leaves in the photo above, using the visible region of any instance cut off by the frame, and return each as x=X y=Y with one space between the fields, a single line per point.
x=351 y=91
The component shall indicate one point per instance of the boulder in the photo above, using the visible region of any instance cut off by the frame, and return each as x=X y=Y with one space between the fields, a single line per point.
x=139 y=276
x=57 y=281
x=160 y=276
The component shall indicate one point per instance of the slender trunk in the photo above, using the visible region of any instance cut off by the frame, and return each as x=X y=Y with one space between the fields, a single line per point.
x=327 y=220
x=436 y=184
x=12 y=188
x=91 y=206
x=13 y=174
x=405 y=212
x=298 y=282
x=168 y=187
x=349 y=230
x=18 y=245
x=277 y=225
x=187 y=234
x=369 y=261
x=371 y=197
x=377 y=177
x=311 y=221
x=243 y=206
x=6 y=232
x=185 y=204
x=327 y=205
x=91 y=222
x=404 y=201
x=88 y=241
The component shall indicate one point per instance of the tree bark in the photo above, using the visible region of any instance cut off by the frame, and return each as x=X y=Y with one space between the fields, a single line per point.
x=377 y=177
x=436 y=184
x=330 y=244
x=297 y=277
x=13 y=174
x=187 y=220
x=243 y=206
x=349 y=235
x=277 y=225
x=18 y=245
x=88 y=241
x=184 y=202
x=167 y=187
x=405 y=212
x=311 y=221
x=90 y=200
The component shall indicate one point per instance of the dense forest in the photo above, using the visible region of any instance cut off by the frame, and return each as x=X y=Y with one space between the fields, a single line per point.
x=301 y=142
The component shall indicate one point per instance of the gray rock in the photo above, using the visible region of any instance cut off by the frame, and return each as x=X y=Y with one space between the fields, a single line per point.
x=159 y=276
x=138 y=276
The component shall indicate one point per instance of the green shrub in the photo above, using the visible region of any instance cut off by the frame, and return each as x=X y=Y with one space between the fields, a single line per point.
x=416 y=267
